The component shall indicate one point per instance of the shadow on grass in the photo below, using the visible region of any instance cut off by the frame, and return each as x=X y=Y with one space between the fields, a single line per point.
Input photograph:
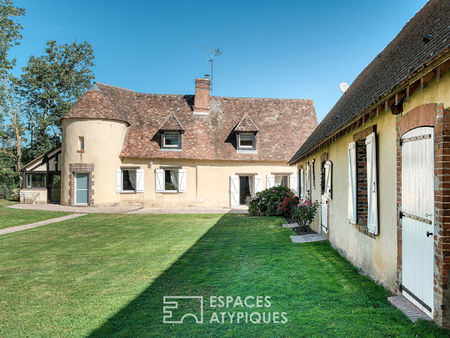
x=321 y=293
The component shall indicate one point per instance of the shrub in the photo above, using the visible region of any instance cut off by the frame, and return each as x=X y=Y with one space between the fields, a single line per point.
x=275 y=201
x=304 y=212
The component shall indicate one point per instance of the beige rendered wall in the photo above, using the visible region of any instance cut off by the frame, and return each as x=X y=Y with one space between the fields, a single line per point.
x=376 y=257
x=207 y=182
x=103 y=142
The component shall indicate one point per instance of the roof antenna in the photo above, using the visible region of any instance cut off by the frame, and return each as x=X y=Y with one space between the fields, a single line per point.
x=211 y=54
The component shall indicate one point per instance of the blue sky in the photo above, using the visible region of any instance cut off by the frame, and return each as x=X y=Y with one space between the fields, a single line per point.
x=280 y=49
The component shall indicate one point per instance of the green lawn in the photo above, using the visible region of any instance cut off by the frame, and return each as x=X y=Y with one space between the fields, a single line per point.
x=104 y=275
x=12 y=217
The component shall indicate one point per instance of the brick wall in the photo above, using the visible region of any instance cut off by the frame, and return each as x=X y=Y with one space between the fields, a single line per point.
x=361 y=183
x=432 y=115
x=442 y=217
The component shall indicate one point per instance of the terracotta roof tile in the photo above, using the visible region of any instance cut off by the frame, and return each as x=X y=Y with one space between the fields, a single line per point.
x=282 y=123
x=246 y=124
x=171 y=123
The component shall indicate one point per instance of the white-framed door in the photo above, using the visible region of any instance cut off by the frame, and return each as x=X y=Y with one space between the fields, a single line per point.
x=324 y=213
x=82 y=188
x=418 y=217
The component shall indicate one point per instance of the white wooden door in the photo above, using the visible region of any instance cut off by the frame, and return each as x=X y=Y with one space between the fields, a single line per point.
x=325 y=196
x=234 y=190
x=418 y=217
x=324 y=213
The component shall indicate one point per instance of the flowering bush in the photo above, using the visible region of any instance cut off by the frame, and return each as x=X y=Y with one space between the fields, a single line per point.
x=275 y=201
x=304 y=212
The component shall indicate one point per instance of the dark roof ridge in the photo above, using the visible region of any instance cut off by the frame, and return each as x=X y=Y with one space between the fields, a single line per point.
x=218 y=97
x=404 y=58
x=115 y=87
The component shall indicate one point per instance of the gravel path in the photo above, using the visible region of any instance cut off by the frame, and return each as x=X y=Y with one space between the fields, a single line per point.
x=128 y=209
x=38 y=224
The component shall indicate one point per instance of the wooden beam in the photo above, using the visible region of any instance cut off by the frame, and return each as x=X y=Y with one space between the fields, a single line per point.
x=407 y=93
x=438 y=74
x=424 y=80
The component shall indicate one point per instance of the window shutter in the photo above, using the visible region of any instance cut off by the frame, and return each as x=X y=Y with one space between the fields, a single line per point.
x=258 y=184
x=182 y=180
x=328 y=178
x=159 y=179
x=118 y=180
x=372 y=195
x=293 y=183
x=270 y=181
x=140 y=180
x=308 y=182
x=302 y=184
x=234 y=190
x=352 y=182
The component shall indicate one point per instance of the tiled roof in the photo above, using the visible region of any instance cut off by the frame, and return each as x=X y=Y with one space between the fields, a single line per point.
x=246 y=124
x=171 y=123
x=425 y=38
x=283 y=123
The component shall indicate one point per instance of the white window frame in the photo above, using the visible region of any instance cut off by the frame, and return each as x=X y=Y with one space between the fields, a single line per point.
x=171 y=146
x=288 y=185
x=245 y=147
x=81 y=144
x=181 y=180
x=29 y=180
x=352 y=181
x=131 y=169
x=139 y=180
x=302 y=184
x=174 y=190
x=372 y=189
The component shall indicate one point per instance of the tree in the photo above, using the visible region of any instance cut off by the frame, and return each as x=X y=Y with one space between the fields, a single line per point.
x=9 y=33
x=11 y=135
x=32 y=105
x=11 y=130
x=51 y=84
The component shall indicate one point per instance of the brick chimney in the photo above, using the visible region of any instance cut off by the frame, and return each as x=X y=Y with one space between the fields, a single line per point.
x=202 y=98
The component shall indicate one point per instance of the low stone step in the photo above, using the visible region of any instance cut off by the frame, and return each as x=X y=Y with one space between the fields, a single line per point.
x=408 y=308
x=308 y=238
x=290 y=225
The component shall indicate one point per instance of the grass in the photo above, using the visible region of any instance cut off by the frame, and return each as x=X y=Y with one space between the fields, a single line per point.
x=5 y=203
x=106 y=275
x=12 y=217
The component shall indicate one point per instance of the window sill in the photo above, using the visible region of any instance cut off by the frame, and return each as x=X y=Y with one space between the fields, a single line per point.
x=129 y=192
x=170 y=192
x=364 y=230
x=247 y=151
x=170 y=149
x=80 y=151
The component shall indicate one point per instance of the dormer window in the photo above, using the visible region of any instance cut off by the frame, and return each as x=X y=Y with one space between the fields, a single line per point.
x=170 y=131
x=246 y=131
x=171 y=139
x=246 y=141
